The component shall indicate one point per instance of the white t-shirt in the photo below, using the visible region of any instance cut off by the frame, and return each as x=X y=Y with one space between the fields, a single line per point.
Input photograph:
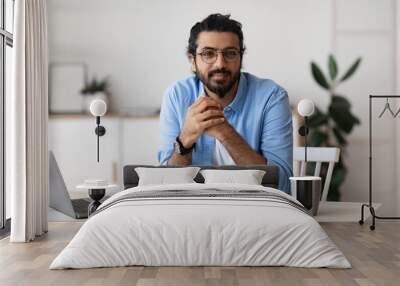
x=221 y=156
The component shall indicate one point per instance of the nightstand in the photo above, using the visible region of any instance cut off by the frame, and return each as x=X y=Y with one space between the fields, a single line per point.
x=96 y=192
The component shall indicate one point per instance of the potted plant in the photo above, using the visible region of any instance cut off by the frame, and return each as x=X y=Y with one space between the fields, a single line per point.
x=331 y=127
x=95 y=89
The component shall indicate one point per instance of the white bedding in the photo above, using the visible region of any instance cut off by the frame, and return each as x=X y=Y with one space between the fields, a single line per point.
x=182 y=231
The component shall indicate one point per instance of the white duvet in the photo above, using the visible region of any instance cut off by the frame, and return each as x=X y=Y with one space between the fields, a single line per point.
x=200 y=231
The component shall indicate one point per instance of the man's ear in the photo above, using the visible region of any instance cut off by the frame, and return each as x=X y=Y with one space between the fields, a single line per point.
x=192 y=62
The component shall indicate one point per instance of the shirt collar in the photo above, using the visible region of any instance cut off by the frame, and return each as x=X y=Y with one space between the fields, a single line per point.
x=238 y=101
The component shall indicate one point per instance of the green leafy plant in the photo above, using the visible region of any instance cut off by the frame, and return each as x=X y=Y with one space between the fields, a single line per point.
x=330 y=128
x=95 y=85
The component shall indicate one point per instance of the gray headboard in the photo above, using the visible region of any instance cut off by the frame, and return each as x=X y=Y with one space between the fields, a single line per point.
x=271 y=177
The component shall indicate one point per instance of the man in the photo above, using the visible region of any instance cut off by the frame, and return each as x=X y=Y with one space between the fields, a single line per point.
x=220 y=115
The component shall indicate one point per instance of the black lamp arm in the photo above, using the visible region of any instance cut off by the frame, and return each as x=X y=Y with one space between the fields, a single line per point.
x=99 y=131
x=303 y=131
x=305 y=138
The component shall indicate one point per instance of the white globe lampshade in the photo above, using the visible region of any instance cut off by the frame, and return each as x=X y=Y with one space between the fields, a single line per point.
x=305 y=107
x=98 y=107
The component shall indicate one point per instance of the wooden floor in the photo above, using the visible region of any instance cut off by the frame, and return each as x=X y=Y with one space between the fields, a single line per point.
x=375 y=256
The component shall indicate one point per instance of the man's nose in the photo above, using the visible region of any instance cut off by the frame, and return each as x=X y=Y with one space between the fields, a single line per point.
x=220 y=61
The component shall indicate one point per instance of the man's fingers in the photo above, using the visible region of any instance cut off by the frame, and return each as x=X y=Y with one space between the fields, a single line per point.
x=199 y=100
x=209 y=114
x=205 y=100
x=212 y=101
x=209 y=123
x=203 y=106
x=196 y=103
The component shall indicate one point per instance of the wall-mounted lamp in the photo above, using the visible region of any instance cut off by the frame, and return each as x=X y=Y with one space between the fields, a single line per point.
x=305 y=109
x=98 y=108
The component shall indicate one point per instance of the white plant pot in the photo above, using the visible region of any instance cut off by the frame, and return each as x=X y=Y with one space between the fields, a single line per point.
x=88 y=98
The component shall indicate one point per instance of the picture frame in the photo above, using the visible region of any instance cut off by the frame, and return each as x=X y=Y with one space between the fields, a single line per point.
x=66 y=80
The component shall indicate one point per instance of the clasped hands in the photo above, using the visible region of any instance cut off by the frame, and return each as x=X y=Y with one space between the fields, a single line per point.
x=205 y=115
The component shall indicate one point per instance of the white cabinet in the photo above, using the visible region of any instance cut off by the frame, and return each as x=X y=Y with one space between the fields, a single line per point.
x=127 y=141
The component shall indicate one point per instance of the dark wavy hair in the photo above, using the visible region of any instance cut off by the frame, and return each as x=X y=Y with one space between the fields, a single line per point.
x=215 y=23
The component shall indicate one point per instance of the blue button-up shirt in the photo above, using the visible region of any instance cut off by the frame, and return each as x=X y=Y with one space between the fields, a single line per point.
x=260 y=113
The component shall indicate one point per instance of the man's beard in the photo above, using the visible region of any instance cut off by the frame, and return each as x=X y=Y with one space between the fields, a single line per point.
x=219 y=87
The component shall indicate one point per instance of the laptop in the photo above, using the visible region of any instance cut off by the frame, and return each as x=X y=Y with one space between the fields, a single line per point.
x=58 y=194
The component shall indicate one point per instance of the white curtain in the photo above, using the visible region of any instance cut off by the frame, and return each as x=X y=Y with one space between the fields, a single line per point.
x=28 y=157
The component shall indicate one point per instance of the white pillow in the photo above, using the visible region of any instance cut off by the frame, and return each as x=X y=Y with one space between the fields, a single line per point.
x=248 y=177
x=162 y=176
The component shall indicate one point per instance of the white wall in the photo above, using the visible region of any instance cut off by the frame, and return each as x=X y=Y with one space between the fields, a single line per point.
x=366 y=28
x=141 y=45
x=397 y=85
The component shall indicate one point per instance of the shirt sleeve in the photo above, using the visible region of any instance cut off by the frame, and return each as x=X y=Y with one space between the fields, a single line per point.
x=169 y=127
x=277 y=137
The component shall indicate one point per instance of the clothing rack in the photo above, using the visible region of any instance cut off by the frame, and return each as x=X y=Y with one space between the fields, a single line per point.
x=369 y=205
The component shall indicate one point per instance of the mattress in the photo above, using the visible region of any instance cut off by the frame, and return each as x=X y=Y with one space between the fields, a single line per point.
x=201 y=225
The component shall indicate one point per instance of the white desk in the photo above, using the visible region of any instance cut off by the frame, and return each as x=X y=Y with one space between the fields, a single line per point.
x=342 y=211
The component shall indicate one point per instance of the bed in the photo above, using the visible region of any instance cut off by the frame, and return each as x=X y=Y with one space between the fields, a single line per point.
x=197 y=224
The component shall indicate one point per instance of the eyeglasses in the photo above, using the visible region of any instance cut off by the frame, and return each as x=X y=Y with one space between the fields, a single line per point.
x=209 y=56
